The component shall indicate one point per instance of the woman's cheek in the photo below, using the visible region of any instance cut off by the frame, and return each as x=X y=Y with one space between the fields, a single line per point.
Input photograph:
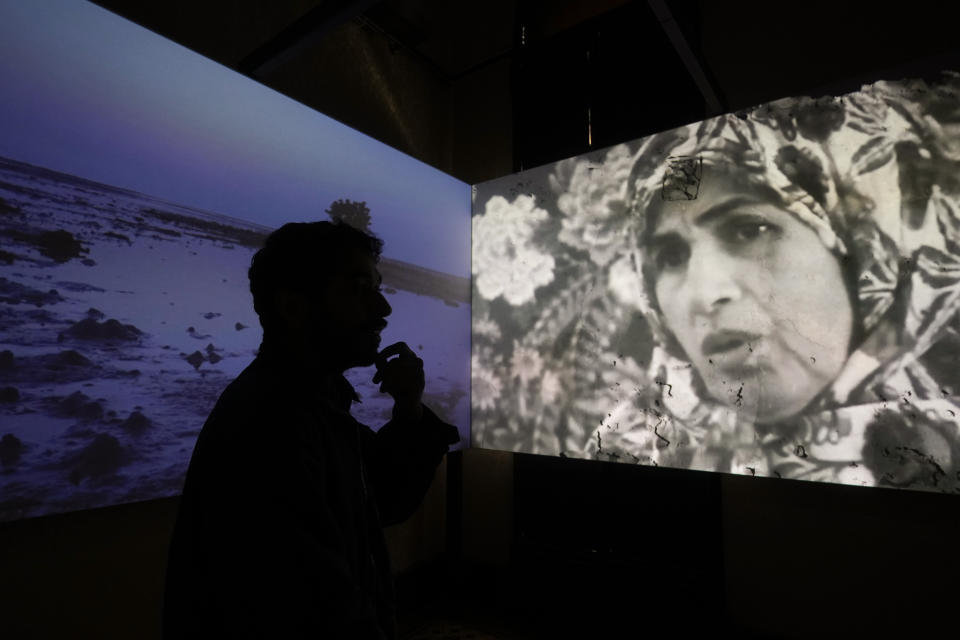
x=668 y=300
x=676 y=310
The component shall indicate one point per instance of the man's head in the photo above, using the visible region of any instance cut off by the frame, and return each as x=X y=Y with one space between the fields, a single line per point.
x=316 y=288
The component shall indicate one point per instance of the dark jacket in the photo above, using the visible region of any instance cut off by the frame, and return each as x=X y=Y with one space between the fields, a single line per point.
x=279 y=529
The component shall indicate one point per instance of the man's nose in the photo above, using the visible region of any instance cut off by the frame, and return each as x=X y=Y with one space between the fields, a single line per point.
x=383 y=307
x=713 y=278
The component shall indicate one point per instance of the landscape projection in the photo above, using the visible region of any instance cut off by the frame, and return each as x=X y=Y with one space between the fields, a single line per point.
x=136 y=181
x=772 y=293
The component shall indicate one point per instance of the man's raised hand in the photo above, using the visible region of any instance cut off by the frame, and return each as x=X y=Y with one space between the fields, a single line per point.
x=400 y=373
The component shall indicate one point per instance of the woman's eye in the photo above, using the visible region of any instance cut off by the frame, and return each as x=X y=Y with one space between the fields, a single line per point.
x=745 y=230
x=671 y=255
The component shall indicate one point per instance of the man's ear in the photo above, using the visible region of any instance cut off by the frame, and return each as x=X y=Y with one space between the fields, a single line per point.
x=293 y=308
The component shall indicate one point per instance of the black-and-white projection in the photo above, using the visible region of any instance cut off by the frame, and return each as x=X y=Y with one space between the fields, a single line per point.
x=136 y=181
x=772 y=293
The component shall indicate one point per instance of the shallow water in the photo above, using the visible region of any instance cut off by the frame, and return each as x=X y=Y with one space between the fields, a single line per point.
x=183 y=286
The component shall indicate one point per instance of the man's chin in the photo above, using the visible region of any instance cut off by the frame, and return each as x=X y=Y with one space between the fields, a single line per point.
x=364 y=358
x=365 y=362
x=356 y=350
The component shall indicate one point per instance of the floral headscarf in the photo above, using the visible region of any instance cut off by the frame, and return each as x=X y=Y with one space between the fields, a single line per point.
x=876 y=174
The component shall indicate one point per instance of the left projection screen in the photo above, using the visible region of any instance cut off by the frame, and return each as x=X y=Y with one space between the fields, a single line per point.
x=137 y=179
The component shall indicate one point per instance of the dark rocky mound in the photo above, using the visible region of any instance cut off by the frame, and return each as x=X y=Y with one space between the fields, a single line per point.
x=13 y=318
x=7 y=209
x=9 y=395
x=198 y=357
x=103 y=456
x=72 y=358
x=16 y=293
x=79 y=405
x=213 y=351
x=11 y=448
x=108 y=330
x=136 y=423
x=66 y=366
x=210 y=315
x=195 y=359
x=239 y=326
x=59 y=245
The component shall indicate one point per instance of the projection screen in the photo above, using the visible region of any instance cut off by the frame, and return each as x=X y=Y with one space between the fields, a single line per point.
x=136 y=180
x=771 y=293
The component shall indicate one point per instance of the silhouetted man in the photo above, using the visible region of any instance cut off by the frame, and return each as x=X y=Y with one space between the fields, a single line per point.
x=279 y=531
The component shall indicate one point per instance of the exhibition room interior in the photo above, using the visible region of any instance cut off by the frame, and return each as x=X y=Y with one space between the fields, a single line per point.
x=432 y=118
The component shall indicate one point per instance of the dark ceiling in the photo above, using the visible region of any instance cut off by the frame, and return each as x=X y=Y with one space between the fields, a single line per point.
x=480 y=89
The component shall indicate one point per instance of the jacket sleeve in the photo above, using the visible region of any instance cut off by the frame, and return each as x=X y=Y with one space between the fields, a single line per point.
x=401 y=460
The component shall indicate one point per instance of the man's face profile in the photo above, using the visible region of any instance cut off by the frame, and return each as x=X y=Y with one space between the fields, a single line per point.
x=355 y=311
x=341 y=322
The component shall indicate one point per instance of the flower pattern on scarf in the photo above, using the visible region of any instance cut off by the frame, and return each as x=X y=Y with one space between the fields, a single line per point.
x=593 y=203
x=505 y=262
x=485 y=387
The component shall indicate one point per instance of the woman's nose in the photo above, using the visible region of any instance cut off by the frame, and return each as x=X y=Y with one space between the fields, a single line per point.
x=713 y=279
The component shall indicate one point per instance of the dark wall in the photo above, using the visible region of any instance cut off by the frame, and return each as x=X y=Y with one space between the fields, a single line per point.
x=613 y=550
x=90 y=574
x=809 y=560
x=99 y=574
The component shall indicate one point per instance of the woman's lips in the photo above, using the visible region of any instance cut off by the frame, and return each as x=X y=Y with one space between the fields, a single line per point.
x=731 y=348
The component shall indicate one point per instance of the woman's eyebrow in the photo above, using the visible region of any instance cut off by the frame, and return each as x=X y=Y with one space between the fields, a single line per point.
x=722 y=209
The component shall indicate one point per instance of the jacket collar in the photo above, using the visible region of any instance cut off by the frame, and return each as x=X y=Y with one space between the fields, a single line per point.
x=313 y=381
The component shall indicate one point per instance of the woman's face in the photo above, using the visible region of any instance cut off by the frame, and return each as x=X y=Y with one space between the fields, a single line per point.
x=754 y=297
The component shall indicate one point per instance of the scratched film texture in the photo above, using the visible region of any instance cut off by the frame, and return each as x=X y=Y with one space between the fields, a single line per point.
x=575 y=354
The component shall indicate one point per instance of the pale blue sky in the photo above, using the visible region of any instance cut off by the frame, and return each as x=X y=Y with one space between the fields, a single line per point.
x=91 y=94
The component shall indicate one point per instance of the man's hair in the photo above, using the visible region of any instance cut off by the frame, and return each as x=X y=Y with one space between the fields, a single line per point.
x=301 y=256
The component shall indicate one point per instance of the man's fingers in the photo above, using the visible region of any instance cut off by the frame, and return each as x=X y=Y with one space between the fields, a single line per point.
x=399 y=365
x=399 y=371
x=396 y=349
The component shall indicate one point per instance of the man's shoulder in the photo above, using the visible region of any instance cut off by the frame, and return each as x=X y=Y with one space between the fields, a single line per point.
x=253 y=397
x=247 y=392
